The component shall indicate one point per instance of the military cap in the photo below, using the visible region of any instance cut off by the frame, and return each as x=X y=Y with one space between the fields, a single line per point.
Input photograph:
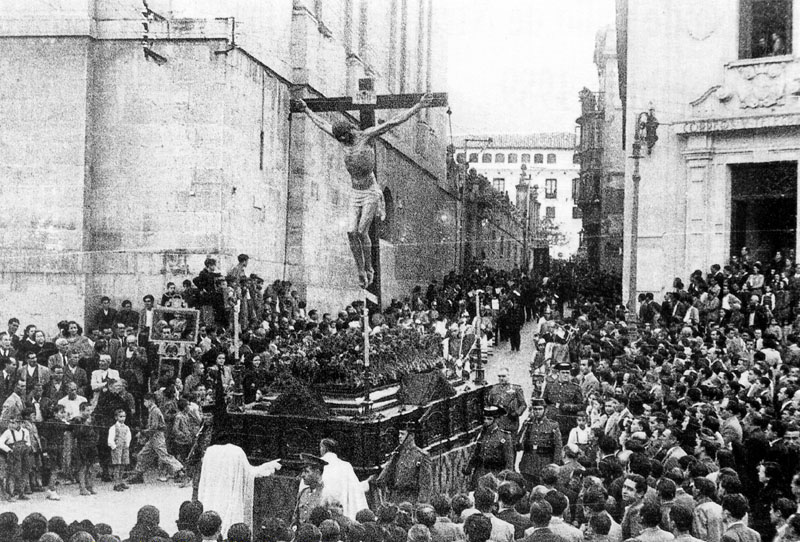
x=563 y=366
x=537 y=401
x=310 y=460
x=492 y=411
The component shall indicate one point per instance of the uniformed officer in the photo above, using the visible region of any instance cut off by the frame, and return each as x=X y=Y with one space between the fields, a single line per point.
x=494 y=450
x=540 y=442
x=510 y=398
x=408 y=475
x=564 y=399
x=310 y=495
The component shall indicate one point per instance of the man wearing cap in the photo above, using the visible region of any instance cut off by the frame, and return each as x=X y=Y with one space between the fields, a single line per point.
x=564 y=399
x=510 y=398
x=408 y=475
x=310 y=495
x=540 y=442
x=494 y=450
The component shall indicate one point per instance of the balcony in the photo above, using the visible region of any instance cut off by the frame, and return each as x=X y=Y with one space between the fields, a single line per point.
x=589 y=192
x=593 y=104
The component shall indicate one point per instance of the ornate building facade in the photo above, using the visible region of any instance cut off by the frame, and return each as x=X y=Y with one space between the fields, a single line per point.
x=711 y=92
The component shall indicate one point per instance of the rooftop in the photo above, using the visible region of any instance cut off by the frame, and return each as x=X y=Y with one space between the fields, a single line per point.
x=551 y=140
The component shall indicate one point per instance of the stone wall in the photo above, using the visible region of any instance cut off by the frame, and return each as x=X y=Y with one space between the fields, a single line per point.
x=133 y=172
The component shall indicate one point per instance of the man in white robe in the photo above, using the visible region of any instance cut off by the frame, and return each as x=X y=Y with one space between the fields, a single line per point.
x=226 y=483
x=340 y=480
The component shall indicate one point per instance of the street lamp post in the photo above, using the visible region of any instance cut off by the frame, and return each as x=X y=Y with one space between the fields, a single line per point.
x=645 y=131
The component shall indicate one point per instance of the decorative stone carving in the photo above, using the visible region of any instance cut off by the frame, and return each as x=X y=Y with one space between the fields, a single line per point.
x=751 y=85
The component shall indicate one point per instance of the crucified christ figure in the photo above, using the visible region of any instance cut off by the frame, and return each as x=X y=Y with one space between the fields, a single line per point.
x=359 y=160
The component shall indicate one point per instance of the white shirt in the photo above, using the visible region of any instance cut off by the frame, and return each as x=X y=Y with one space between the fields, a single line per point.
x=72 y=406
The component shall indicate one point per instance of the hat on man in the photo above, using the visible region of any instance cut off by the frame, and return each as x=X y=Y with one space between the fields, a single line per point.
x=310 y=460
x=537 y=402
x=491 y=411
x=541 y=341
x=563 y=366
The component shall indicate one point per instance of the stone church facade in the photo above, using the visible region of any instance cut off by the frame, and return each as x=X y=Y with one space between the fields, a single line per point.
x=134 y=144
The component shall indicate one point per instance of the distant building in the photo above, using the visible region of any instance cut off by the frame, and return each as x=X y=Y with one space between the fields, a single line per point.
x=546 y=161
x=602 y=160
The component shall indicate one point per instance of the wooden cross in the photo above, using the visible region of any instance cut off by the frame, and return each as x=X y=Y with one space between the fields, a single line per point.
x=367 y=120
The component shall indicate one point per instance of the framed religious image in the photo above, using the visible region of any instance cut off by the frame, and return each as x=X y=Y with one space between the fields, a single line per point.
x=175 y=325
x=169 y=367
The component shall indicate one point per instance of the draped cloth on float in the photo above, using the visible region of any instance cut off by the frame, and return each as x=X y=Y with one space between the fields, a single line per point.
x=226 y=483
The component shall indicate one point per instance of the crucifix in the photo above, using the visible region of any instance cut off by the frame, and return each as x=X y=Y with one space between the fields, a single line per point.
x=358 y=146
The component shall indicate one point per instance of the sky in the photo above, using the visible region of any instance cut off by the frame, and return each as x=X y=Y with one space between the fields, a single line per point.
x=516 y=66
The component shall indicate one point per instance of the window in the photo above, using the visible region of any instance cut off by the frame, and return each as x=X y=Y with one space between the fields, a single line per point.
x=512 y=158
x=473 y=157
x=486 y=158
x=526 y=158
x=499 y=185
x=499 y=158
x=550 y=212
x=551 y=158
x=538 y=158
x=550 y=188
x=576 y=212
x=576 y=189
x=765 y=28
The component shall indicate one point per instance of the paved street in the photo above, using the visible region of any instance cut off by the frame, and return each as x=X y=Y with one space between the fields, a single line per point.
x=119 y=509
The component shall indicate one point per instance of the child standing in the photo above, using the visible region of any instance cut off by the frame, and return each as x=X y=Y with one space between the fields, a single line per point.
x=86 y=448
x=119 y=440
x=16 y=443
x=34 y=480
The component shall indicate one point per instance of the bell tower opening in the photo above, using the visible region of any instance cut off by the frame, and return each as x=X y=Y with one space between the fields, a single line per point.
x=763 y=208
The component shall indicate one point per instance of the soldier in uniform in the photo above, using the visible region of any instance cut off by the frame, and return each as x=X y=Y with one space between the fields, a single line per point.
x=310 y=495
x=564 y=399
x=510 y=398
x=408 y=475
x=494 y=451
x=540 y=442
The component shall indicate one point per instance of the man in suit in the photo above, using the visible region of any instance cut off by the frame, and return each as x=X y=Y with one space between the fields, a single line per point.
x=33 y=373
x=8 y=378
x=541 y=511
x=76 y=374
x=13 y=405
x=60 y=358
x=6 y=348
x=509 y=494
x=102 y=376
x=57 y=388
x=734 y=508
x=127 y=316
x=146 y=319
x=731 y=429
x=502 y=531
x=106 y=316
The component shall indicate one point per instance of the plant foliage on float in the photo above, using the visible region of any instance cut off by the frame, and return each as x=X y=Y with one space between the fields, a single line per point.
x=337 y=361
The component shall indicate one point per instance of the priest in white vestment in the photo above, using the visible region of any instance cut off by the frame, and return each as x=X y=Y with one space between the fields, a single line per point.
x=340 y=480
x=226 y=483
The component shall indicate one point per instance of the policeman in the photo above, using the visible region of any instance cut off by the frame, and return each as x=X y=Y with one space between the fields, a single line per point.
x=494 y=450
x=408 y=475
x=540 y=442
x=310 y=495
x=564 y=399
x=510 y=398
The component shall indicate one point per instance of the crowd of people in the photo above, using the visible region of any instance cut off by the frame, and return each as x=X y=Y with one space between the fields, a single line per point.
x=683 y=426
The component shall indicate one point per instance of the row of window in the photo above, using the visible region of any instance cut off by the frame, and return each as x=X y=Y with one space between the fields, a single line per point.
x=500 y=158
x=550 y=212
x=550 y=187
